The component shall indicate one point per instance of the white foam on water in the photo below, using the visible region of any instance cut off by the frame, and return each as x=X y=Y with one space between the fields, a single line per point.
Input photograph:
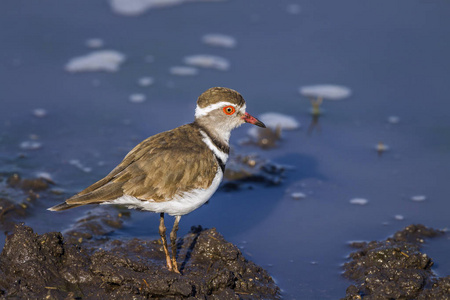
x=273 y=121
x=207 y=61
x=40 y=112
x=30 y=145
x=399 y=217
x=326 y=91
x=100 y=60
x=94 y=43
x=45 y=175
x=298 y=195
x=359 y=201
x=79 y=165
x=183 y=71
x=219 y=40
x=146 y=81
x=393 y=119
x=137 y=98
x=149 y=59
x=138 y=7
x=419 y=198
x=293 y=9
x=96 y=82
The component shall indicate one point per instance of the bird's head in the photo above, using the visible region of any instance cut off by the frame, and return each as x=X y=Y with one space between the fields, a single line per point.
x=221 y=110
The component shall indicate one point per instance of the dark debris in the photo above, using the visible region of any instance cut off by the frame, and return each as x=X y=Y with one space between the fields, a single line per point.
x=395 y=268
x=243 y=170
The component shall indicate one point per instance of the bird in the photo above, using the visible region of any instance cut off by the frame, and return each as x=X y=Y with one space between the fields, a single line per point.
x=176 y=171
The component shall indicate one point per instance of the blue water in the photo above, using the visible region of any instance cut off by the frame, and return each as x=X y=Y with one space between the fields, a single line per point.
x=393 y=55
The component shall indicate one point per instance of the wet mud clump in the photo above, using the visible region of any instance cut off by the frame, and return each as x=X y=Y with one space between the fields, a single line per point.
x=10 y=213
x=395 y=268
x=244 y=170
x=12 y=186
x=94 y=228
x=44 y=266
x=27 y=184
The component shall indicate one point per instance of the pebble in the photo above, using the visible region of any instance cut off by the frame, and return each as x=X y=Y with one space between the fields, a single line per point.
x=381 y=147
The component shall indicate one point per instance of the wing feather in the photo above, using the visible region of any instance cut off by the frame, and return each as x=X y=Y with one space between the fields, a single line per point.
x=159 y=168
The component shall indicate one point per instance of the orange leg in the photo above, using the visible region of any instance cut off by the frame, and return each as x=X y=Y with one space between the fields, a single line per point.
x=173 y=241
x=162 y=233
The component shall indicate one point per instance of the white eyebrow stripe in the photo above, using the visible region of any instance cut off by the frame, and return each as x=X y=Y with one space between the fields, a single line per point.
x=202 y=111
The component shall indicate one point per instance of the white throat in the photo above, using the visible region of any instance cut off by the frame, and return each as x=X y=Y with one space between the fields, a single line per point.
x=219 y=153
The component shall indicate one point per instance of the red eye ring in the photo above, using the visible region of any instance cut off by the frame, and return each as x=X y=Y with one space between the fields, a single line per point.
x=229 y=110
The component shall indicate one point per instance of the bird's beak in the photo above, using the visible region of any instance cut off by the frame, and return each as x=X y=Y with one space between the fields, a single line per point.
x=252 y=120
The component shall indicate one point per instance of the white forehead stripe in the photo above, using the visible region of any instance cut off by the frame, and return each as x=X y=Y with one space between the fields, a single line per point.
x=243 y=109
x=219 y=153
x=199 y=111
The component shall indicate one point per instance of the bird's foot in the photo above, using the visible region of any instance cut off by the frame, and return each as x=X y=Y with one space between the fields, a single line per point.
x=175 y=268
x=169 y=263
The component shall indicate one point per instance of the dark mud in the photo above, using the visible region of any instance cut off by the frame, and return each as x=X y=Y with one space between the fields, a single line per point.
x=395 y=268
x=10 y=213
x=24 y=192
x=45 y=266
x=93 y=230
x=243 y=171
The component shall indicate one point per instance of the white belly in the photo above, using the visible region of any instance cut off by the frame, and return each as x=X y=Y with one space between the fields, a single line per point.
x=178 y=206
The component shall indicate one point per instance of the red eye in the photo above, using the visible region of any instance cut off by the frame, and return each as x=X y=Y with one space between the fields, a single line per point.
x=229 y=110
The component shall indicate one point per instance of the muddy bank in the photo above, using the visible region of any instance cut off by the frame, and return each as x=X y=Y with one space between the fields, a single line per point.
x=395 y=268
x=36 y=266
x=17 y=195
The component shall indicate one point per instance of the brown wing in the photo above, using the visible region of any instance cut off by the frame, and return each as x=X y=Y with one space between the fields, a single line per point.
x=159 y=168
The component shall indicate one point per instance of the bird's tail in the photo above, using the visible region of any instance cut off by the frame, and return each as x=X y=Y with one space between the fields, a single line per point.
x=63 y=206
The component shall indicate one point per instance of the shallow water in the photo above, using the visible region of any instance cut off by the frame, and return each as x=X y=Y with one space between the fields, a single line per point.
x=393 y=56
